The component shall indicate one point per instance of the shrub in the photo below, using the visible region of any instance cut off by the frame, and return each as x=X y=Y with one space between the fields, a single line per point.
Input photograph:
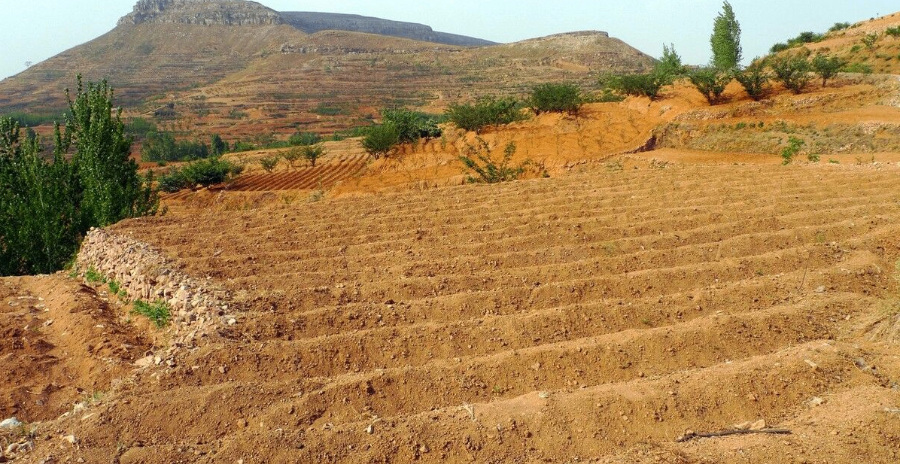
x=869 y=40
x=485 y=112
x=711 y=83
x=304 y=138
x=791 y=71
x=859 y=68
x=556 y=98
x=480 y=161
x=755 y=80
x=312 y=153
x=893 y=31
x=411 y=125
x=218 y=146
x=839 y=27
x=790 y=151
x=159 y=313
x=46 y=207
x=827 y=66
x=206 y=172
x=269 y=163
x=162 y=146
x=637 y=85
x=380 y=140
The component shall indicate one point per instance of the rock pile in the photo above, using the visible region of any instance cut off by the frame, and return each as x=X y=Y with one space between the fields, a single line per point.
x=198 y=307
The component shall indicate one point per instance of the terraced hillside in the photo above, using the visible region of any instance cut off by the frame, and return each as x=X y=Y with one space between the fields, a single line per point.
x=595 y=317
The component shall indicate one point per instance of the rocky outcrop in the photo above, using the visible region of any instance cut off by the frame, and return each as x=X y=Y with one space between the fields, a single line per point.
x=202 y=12
x=198 y=306
x=317 y=22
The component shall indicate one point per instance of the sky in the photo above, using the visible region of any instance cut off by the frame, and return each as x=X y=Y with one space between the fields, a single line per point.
x=35 y=30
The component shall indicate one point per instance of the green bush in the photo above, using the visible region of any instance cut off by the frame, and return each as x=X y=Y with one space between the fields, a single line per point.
x=47 y=207
x=304 y=138
x=412 y=125
x=802 y=38
x=792 y=71
x=869 y=40
x=827 y=66
x=792 y=150
x=162 y=146
x=210 y=171
x=159 y=312
x=556 y=98
x=755 y=80
x=839 y=27
x=269 y=163
x=858 y=68
x=485 y=112
x=380 y=140
x=312 y=153
x=893 y=31
x=637 y=85
x=710 y=82
x=480 y=161
x=218 y=146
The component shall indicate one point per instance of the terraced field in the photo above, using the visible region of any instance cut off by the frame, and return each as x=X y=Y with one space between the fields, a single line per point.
x=595 y=317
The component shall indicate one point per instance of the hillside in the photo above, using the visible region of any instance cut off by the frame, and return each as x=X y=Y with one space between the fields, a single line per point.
x=237 y=67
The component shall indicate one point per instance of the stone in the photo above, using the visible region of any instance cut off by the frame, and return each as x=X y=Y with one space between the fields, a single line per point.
x=370 y=429
x=759 y=425
x=10 y=423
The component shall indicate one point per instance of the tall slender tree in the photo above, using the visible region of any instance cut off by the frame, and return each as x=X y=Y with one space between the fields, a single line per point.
x=726 y=40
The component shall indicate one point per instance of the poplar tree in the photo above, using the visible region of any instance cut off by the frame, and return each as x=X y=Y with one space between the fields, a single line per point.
x=726 y=40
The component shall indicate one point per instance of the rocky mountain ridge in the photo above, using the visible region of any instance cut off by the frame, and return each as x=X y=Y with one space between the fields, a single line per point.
x=248 y=13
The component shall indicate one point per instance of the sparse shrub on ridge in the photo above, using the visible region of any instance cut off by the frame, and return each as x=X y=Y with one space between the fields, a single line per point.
x=792 y=150
x=485 y=112
x=269 y=163
x=479 y=160
x=412 y=125
x=312 y=153
x=636 y=85
x=556 y=98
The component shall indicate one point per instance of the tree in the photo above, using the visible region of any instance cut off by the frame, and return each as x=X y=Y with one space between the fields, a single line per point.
x=218 y=146
x=792 y=71
x=485 y=112
x=827 y=66
x=755 y=79
x=711 y=82
x=726 y=40
x=670 y=64
x=380 y=140
x=556 y=98
x=313 y=153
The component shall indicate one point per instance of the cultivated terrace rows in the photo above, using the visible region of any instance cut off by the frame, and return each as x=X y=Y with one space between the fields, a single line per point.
x=595 y=317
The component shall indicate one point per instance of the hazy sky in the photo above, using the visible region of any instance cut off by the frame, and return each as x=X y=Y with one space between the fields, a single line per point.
x=35 y=30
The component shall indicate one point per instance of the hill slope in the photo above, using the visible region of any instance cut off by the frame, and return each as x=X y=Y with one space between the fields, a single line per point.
x=214 y=58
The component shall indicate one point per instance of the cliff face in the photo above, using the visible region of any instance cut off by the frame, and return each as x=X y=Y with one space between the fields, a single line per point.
x=317 y=22
x=202 y=12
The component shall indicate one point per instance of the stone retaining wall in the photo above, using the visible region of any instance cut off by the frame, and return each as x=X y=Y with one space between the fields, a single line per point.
x=198 y=306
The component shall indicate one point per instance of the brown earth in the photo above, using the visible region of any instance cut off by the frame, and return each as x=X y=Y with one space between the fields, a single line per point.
x=598 y=315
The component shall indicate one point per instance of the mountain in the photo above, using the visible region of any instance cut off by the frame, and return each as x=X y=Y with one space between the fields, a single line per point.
x=239 y=67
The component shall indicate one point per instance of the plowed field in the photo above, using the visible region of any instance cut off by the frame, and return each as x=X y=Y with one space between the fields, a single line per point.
x=596 y=317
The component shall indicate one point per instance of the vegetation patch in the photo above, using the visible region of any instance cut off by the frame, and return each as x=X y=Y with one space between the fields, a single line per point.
x=483 y=166
x=159 y=312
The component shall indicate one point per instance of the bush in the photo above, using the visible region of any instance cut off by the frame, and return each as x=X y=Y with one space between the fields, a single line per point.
x=556 y=98
x=206 y=172
x=218 y=146
x=304 y=138
x=412 y=125
x=869 y=40
x=827 y=66
x=479 y=160
x=893 y=31
x=637 y=85
x=162 y=146
x=711 y=83
x=839 y=27
x=159 y=313
x=792 y=150
x=312 y=153
x=755 y=80
x=858 y=68
x=47 y=207
x=791 y=71
x=380 y=140
x=269 y=163
x=485 y=112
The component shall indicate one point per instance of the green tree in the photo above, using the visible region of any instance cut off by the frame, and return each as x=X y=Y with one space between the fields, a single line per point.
x=711 y=82
x=312 y=153
x=755 y=79
x=670 y=64
x=218 y=146
x=556 y=98
x=380 y=140
x=827 y=66
x=792 y=71
x=726 y=40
